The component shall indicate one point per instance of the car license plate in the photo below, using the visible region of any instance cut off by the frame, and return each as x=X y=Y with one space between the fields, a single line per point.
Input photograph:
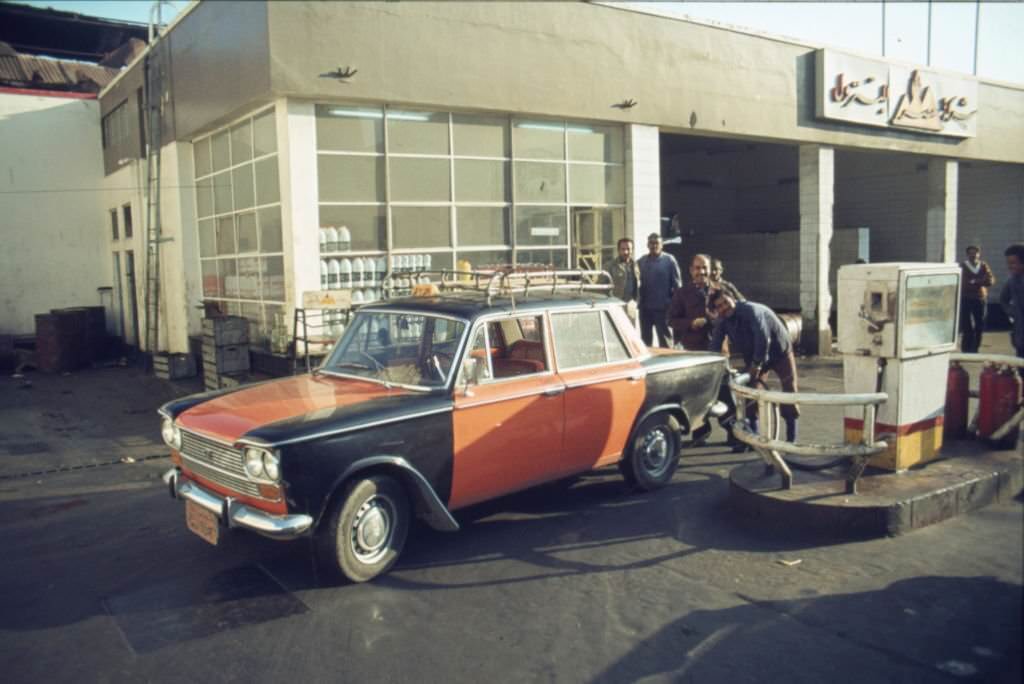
x=202 y=522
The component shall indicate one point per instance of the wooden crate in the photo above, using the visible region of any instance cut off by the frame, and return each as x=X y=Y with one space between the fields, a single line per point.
x=224 y=331
x=227 y=359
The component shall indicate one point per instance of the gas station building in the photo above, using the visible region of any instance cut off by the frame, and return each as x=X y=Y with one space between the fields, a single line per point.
x=439 y=133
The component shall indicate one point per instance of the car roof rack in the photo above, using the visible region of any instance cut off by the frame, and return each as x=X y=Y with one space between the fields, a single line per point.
x=502 y=282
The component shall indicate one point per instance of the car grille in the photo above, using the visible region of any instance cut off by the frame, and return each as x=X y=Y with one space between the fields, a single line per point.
x=217 y=463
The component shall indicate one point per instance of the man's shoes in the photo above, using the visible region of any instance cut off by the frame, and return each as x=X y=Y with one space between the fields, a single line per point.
x=700 y=436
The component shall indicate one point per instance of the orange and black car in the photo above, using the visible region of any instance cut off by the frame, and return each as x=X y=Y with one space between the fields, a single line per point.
x=429 y=404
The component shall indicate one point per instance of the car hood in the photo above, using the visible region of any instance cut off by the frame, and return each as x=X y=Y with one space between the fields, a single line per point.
x=299 y=399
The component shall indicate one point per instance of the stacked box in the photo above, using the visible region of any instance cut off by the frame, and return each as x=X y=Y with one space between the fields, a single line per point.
x=174 y=366
x=225 y=350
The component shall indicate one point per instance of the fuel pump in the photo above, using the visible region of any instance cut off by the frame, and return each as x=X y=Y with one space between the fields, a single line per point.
x=897 y=327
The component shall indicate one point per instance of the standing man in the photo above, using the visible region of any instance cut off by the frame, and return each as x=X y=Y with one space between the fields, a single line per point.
x=659 y=278
x=688 y=314
x=720 y=283
x=626 y=277
x=975 y=279
x=1012 y=296
x=756 y=332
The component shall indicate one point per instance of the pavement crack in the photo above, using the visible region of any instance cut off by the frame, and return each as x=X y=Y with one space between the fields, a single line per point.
x=79 y=466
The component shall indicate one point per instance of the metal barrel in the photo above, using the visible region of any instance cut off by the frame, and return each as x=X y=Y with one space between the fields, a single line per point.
x=794 y=323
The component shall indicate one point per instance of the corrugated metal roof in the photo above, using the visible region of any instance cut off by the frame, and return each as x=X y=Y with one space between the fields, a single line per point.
x=23 y=71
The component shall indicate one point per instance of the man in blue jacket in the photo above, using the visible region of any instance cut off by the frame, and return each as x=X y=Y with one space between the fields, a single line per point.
x=659 y=278
x=756 y=332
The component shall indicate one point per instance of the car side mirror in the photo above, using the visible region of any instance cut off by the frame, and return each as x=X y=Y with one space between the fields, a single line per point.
x=472 y=371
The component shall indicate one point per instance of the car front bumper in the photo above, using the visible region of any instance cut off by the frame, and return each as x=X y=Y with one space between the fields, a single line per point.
x=235 y=514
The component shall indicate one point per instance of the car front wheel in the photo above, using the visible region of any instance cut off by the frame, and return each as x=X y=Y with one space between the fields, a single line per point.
x=654 y=453
x=366 y=528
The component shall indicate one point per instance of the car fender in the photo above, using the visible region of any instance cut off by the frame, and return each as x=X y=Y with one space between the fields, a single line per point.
x=427 y=504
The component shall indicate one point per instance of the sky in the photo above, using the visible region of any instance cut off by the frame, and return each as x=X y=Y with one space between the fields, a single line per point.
x=855 y=26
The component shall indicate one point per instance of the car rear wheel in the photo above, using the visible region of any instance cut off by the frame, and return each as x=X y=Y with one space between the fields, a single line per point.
x=366 y=528
x=654 y=453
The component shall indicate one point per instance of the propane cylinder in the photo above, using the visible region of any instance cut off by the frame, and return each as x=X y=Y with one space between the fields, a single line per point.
x=957 y=392
x=998 y=398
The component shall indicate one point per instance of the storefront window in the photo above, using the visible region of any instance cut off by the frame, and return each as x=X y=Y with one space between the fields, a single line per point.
x=238 y=203
x=395 y=180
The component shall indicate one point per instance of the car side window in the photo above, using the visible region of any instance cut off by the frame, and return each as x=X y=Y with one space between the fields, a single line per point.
x=478 y=360
x=613 y=341
x=579 y=339
x=511 y=347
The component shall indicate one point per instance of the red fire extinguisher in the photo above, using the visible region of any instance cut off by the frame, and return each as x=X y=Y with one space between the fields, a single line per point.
x=957 y=392
x=998 y=399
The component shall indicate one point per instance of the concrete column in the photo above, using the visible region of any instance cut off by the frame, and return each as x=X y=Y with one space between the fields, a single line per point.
x=643 y=184
x=817 y=180
x=300 y=222
x=940 y=230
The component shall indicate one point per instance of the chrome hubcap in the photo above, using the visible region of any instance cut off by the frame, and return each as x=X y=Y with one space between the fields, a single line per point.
x=655 y=452
x=372 y=529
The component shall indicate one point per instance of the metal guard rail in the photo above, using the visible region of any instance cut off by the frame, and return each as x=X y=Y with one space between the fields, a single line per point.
x=771 y=448
x=998 y=360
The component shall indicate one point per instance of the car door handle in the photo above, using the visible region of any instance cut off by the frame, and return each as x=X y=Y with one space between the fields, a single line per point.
x=636 y=377
x=553 y=391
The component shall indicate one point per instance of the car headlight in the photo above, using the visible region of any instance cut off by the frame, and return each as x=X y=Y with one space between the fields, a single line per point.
x=261 y=464
x=171 y=434
x=254 y=463
x=271 y=466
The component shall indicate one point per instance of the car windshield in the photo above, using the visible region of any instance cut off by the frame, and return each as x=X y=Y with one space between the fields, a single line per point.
x=398 y=348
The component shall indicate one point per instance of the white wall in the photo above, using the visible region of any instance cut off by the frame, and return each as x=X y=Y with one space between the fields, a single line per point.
x=51 y=168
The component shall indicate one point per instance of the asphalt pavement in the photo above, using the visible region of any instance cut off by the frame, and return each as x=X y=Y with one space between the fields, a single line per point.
x=578 y=581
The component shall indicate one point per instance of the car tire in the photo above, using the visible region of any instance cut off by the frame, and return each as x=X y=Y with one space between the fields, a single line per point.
x=653 y=454
x=366 y=528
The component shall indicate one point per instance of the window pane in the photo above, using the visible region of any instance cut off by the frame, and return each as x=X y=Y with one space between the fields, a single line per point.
x=249 y=278
x=247 y=232
x=272 y=278
x=538 y=140
x=221 y=151
x=482 y=356
x=270 y=229
x=540 y=226
x=113 y=223
x=420 y=227
x=595 y=143
x=228 y=271
x=593 y=184
x=478 y=136
x=349 y=129
x=212 y=286
x=551 y=258
x=616 y=347
x=578 y=340
x=267 y=186
x=242 y=183
x=539 y=182
x=207 y=244
x=201 y=150
x=417 y=132
x=482 y=225
x=480 y=181
x=226 y=235
x=350 y=179
x=367 y=225
x=204 y=197
x=420 y=180
x=265 y=134
x=222 y=193
x=241 y=143
x=483 y=260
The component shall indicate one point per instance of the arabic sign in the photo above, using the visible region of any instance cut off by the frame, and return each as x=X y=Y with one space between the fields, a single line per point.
x=327 y=299
x=875 y=93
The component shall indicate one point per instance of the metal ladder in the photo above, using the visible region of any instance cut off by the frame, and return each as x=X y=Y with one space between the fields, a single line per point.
x=153 y=104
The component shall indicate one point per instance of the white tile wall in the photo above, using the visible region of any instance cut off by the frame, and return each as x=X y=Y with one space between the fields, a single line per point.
x=643 y=183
